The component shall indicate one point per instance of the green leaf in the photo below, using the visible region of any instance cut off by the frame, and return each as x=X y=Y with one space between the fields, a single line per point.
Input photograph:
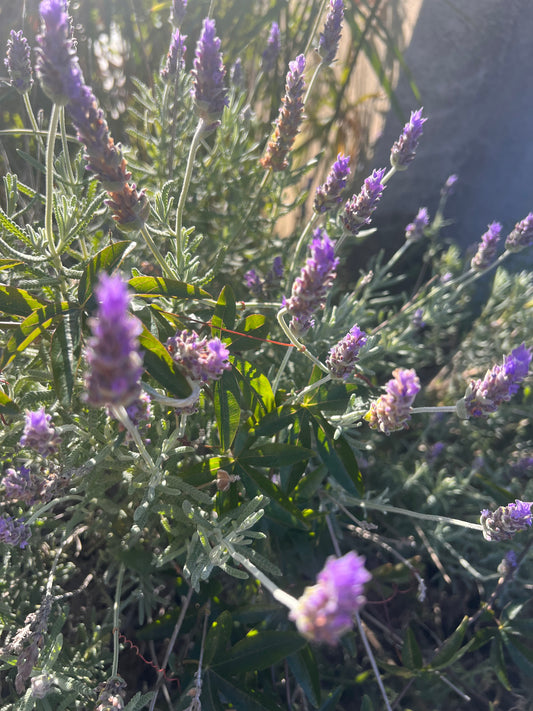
x=267 y=486
x=225 y=311
x=330 y=704
x=218 y=638
x=64 y=355
x=255 y=386
x=449 y=652
x=337 y=456
x=366 y=704
x=210 y=698
x=272 y=454
x=158 y=362
x=227 y=397
x=234 y=695
x=305 y=669
x=260 y=650
x=17 y=302
x=9 y=263
x=411 y=654
x=255 y=327
x=32 y=327
x=12 y=227
x=106 y=260
x=497 y=662
x=7 y=406
x=158 y=286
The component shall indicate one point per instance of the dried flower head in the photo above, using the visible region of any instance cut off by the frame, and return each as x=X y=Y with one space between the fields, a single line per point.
x=344 y=355
x=328 y=42
x=115 y=363
x=310 y=289
x=404 y=149
x=203 y=359
x=499 y=384
x=392 y=411
x=272 y=49
x=289 y=118
x=502 y=524
x=325 y=611
x=209 y=91
x=415 y=229
x=521 y=236
x=329 y=194
x=486 y=252
x=359 y=208
x=39 y=433
x=18 y=62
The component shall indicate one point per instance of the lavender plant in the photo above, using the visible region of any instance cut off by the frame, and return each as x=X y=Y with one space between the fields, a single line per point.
x=209 y=500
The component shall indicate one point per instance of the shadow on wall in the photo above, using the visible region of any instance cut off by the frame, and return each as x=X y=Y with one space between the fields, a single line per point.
x=472 y=64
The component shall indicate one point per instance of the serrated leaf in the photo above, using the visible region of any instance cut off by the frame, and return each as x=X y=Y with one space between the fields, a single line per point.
x=106 y=260
x=158 y=362
x=18 y=302
x=12 y=227
x=159 y=286
x=31 y=328
x=226 y=396
x=260 y=650
x=411 y=654
x=64 y=355
x=305 y=669
x=337 y=456
x=218 y=638
x=224 y=314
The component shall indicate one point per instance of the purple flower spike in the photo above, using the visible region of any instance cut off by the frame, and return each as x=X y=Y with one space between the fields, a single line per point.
x=18 y=62
x=176 y=55
x=329 y=194
x=486 y=252
x=178 y=12
x=57 y=64
x=392 y=411
x=289 y=118
x=403 y=151
x=310 y=289
x=39 y=433
x=329 y=39
x=208 y=90
x=502 y=524
x=449 y=186
x=324 y=612
x=21 y=485
x=499 y=384
x=115 y=363
x=203 y=359
x=415 y=229
x=358 y=210
x=522 y=235
x=272 y=49
x=14 y=532
x=254 y=283
x=344 y=355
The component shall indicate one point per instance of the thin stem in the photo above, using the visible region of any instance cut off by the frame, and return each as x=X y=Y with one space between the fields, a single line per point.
x=388 y=176
x=333 y=537
x=33 y=121
x=253 y=206
x=281 y=369
x=440 y=408
x=312 y=82
x=119 y=412
x=314 y=217
x=185 y=189
x=52 y=130
x=116 y=620
x=315 y=26
x=295 y=342
x=156 y=253
x=312 y=387
x=372 y=661
x=415 y=514
x=64 y=144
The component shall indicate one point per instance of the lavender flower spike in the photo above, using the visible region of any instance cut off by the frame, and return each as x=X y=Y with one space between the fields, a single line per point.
x=486 y=252
x=343 y=356
x=115 y=363
x=404 y=149
x=289 y=118
x=499 y=384
x=208 y=89
x=392 y=411
x=176 y=55
x=522 y=235
x=329 y=194
x=324 y=612
x=203 y=359
x=502 y=524
x=14 y=532
x=57 y=64
x=18 y=62
x=415 y=229
x=310 y=289
x=178 y=12
x=358 y=210
x=328 y=42
x=272 y=49
x=39 y=433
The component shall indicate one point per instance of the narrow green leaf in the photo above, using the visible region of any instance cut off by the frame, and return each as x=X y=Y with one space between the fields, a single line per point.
x=64 y=355
x=256 y=387
x=210 y=698
x=367 y=704
x=9 y=263
x=330 y=704
x=31 y=328
x=497 y=662
x=411 y=654
x=18 y=302
x=447 y=654
x=255 y=327
x=272 y=454
x=158 y=362
x=12 y=227
x=227 y=397
x=218 y=638
x=234 y=695
x=267 y=486
x=305 y=669
x=158 y=286
x=106 y=260
x=260 y=650
x=224 y=314
x=337 y=456
x=7 y=406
